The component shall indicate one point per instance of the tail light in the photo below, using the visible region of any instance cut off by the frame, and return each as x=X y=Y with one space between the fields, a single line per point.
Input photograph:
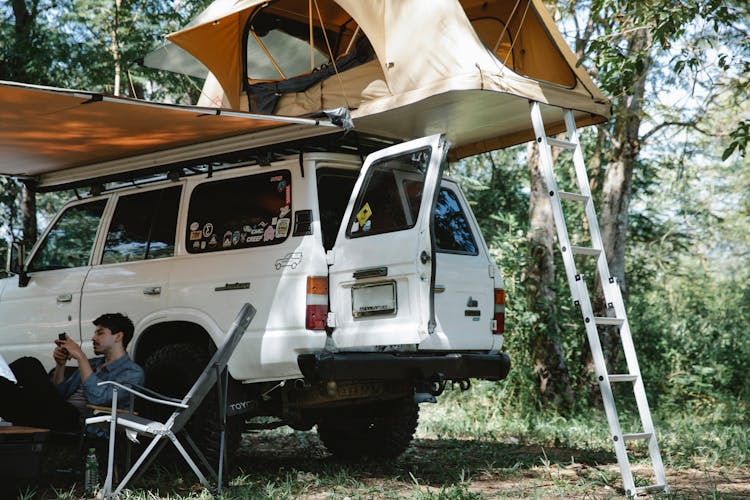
x=498 y=320
x=317 y=303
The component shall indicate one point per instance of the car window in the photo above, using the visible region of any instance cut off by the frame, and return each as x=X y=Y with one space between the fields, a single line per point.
x=70 y=241
x=383 y=205
x=241 y=212
x=334 y=189
x=452 y=230
x=143 y=226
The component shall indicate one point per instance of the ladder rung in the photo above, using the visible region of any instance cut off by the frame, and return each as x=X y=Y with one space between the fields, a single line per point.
x=604 y=320
x=636 y=436
x=614 y=377
x=561 y=144
x=574 y=196
x=653 y=488
x=592 y=252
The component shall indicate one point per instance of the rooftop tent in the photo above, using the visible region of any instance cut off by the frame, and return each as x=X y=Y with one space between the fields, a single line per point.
x=404 y=67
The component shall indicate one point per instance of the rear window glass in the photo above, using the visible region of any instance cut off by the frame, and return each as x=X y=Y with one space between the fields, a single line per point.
x=386 y=204
x=242 y=212
x=452 y=229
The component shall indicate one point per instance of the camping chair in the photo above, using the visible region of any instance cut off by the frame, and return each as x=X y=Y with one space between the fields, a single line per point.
x=215 y=374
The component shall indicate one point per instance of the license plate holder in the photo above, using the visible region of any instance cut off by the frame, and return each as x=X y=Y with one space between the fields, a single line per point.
x=374 y=299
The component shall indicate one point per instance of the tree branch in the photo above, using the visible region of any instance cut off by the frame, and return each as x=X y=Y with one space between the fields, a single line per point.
x=689 y=124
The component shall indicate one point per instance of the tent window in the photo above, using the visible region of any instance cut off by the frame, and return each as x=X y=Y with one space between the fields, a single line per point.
x=489 y=30
x=278 y=55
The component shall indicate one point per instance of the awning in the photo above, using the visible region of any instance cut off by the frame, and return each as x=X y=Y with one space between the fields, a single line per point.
x=57 y=136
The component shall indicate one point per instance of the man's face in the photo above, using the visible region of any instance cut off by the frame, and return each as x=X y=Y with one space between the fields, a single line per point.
x=103 y=340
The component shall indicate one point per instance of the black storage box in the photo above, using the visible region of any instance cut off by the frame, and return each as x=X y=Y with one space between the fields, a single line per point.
x=21 y=452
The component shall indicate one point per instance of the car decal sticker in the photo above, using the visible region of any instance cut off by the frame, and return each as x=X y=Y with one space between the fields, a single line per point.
x=364 y=214
x=289 y=260
x=282 y=228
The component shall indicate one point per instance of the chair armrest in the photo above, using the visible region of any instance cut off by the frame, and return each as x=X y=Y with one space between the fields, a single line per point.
x=99 y=409
x=152 y=392
x=144 y=396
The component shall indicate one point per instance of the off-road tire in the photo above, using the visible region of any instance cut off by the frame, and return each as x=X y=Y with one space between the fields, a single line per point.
x=380 y=430
x=171 y=371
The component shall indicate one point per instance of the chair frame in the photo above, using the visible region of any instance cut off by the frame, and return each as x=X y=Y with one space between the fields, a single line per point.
x=215 y=374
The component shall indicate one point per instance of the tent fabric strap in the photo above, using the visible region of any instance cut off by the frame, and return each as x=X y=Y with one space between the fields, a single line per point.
x=330 y=53
x=505 y=27
x=520 y=25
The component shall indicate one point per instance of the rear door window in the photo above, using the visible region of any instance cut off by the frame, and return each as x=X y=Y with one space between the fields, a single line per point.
x=452 y=230
x=243 y=212
x=143 y=226
x=387 y=204
x=334 y=189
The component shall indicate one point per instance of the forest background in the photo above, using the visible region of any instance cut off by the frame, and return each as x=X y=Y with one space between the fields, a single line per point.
x=669 y=174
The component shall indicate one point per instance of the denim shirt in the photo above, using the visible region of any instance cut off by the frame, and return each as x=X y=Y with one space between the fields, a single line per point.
x=122 y=370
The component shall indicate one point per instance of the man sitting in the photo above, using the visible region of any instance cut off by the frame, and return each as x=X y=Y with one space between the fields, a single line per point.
x=60 y=404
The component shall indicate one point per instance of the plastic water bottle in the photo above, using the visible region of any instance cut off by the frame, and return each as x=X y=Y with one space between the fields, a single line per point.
x=91 y=474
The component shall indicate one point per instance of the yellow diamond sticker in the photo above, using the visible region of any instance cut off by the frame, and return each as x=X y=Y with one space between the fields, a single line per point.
x=364 y=214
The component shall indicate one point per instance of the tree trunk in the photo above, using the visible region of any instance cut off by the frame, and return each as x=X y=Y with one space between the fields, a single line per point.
x=115 y=49
x=617 y=186
x=549 y=362
x=23 y=24
x=28 y=215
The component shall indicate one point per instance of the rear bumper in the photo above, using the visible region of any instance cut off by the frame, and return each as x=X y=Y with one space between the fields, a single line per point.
x=326 y=366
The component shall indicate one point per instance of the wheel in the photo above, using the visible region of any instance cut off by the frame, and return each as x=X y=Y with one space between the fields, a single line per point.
x=380 y=430
x=171 y=371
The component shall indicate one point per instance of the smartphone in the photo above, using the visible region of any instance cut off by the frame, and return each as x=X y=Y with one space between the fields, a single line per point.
x=61 y=336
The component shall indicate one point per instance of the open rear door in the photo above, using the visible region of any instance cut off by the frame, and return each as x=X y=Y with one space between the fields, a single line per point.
x=383 y=263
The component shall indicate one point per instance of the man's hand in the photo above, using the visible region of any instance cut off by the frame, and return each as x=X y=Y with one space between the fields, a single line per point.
x=69 y=347
x=60 y=355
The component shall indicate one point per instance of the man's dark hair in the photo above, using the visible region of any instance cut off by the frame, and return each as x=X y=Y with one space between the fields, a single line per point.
x=117 y=322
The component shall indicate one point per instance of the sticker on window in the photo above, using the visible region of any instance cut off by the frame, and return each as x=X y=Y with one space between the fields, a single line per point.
x=364 y=214
x=240 y=212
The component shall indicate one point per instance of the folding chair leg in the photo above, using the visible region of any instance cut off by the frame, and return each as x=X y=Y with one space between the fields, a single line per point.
x=178 y=445
x=221 y=462
x=137 y=464
x=200 y=455
x=107 y=490
x=151 y=459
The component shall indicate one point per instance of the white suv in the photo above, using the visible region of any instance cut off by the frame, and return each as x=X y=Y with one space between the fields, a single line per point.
x=373 y=286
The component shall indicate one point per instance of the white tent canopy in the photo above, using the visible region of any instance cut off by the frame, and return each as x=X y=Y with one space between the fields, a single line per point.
x=448 y=65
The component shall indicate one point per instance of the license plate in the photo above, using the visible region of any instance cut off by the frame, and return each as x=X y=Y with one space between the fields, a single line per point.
x=369 y=300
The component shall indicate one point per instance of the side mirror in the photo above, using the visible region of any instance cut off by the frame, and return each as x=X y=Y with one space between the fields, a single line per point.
x=15 y=264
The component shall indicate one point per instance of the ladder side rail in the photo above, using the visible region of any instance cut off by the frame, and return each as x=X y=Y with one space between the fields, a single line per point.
x=546 y=167
x=581 y=295
x=639 y=388
x=613 y=295
x=610 y=287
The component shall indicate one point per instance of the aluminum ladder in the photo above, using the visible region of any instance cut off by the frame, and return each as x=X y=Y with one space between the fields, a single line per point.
x=581 y=297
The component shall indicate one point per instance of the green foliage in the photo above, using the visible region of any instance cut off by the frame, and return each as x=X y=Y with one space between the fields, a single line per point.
x=739 y=139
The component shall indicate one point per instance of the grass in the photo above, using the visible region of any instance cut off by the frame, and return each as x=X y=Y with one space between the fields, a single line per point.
x=471 y=447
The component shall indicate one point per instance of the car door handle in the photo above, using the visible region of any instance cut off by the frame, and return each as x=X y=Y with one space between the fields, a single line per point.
x=152 y=290
x=65 y=297
x=439 y=288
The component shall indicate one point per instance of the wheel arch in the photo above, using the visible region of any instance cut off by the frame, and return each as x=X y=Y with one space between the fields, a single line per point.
x=158 y=335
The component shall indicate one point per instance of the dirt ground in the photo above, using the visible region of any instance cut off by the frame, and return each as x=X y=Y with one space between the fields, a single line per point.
x=491 y=469
x=297 y=466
